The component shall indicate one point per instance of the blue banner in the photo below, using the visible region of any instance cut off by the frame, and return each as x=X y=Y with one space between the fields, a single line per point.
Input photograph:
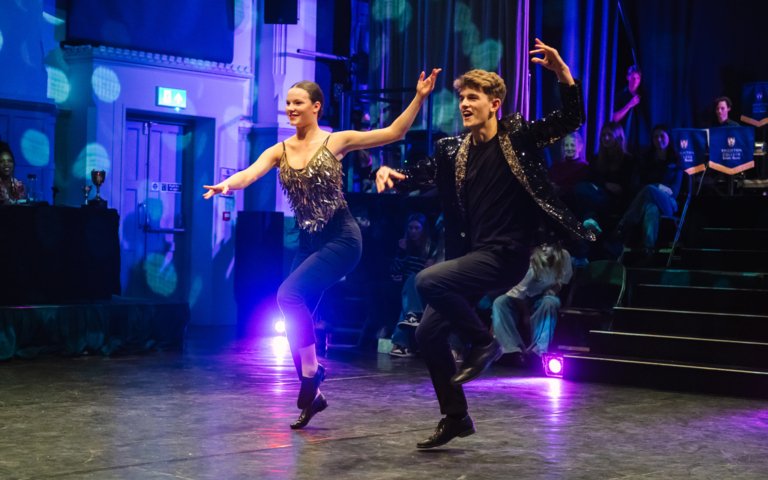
x=731 y=149
x=754 y=101
x=691 y=146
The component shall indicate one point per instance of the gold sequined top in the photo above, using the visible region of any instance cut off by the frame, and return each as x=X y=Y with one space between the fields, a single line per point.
x=315 y=191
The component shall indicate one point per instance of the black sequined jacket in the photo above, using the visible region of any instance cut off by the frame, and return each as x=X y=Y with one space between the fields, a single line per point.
x=520 y=142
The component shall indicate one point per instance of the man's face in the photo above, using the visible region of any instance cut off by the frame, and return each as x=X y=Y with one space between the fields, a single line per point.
x=721 y=111
x=476 y=107
x=633 y=81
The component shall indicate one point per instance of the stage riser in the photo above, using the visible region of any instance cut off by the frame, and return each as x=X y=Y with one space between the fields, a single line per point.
x=667 y=377
x=573 y=327
x=726 y=260
x=699 y=299
x=728 y=238
x=679 y=350
x=697 y=324
x=112 y=328
x=742 y=212
x=697 y=278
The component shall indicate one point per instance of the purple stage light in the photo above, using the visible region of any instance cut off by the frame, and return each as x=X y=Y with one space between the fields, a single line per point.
x=553 y=364
x=279 y=326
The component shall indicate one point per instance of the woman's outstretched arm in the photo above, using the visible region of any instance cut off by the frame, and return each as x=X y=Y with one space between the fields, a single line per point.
x=348 y=140
x=266 y=161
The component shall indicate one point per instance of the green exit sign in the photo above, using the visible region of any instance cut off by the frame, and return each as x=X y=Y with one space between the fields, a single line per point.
x=171 y=97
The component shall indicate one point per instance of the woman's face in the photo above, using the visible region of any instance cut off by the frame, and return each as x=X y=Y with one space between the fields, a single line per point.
x=6 y=165
x=414 y=230
x=660 y=139
x=299 y=107
x=571 y=148
x=607 y=138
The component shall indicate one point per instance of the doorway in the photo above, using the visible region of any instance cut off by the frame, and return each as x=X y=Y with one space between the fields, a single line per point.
x=155 y=209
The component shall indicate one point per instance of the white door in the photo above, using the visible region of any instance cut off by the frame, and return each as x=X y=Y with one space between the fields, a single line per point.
x=154 y=254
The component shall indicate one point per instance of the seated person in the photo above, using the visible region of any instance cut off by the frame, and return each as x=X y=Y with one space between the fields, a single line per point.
x=414 y=253
x=571 y=167
x=11 y=188
x=723 y=107
x=532 y=303
x=606 y=192
x=658 y=177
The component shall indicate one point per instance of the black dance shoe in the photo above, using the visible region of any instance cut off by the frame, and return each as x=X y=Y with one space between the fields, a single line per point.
x=309 y=386
x=318 y=405
x=448 y=429
x=480 y=358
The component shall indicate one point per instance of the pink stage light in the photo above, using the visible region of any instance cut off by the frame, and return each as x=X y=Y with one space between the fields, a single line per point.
x=554 y=364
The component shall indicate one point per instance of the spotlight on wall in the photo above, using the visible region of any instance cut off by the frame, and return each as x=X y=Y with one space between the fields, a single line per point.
x=554 y=364
x=279 y=325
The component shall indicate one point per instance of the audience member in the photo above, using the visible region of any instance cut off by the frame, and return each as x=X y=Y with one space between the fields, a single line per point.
x=414 y=253
x=632 y=110
x=658 y=177
x=571 y=167
x=11 y=189
x=359 y=161
x=531 y=307
x=723 y=107
x=607 y=189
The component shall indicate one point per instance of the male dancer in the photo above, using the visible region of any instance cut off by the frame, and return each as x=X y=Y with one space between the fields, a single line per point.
x=495 y=195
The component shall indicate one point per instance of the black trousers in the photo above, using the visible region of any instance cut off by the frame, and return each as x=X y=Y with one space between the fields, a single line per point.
x=451 y=289
x=323 y=259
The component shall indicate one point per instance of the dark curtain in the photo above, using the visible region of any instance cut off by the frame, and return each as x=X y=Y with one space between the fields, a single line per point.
x=692 y=51
x=408 y=36
x=589 y=36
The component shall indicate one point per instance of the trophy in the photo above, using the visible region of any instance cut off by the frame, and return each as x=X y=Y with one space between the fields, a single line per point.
x=97 y=177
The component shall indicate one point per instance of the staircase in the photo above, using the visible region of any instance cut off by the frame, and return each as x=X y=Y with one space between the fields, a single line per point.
x=700 y=324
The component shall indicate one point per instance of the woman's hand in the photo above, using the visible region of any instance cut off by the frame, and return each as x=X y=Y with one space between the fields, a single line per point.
x=425 y=85
x=220 y=188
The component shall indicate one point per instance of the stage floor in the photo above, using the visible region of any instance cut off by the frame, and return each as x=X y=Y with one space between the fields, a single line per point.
x=221 y=410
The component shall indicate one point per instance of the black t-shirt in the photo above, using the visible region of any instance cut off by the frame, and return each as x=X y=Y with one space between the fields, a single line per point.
x=500 y=212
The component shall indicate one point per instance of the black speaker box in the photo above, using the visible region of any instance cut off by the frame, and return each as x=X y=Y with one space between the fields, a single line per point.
x=258 y=269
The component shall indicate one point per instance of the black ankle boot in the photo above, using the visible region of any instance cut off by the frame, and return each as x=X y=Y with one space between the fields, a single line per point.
x=318 y=405
x=309 y=386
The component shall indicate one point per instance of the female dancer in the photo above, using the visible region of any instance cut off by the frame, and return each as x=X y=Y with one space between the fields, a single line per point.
x=330 y=243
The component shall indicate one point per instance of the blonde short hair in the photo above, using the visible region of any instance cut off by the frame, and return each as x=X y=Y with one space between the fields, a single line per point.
x=487 y=82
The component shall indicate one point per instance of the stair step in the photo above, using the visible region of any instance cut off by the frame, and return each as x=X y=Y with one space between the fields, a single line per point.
x=737 y=353
x=733 y=260
x=728 y=237
x=573 y=326
x=700 y=299
x=733 y=326
x=678 y=376
x=698 y=278
x=735 y=211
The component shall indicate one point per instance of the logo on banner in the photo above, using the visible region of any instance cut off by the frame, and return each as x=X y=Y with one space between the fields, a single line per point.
x=731 y=141
x=758 y=95
x=683 y=143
